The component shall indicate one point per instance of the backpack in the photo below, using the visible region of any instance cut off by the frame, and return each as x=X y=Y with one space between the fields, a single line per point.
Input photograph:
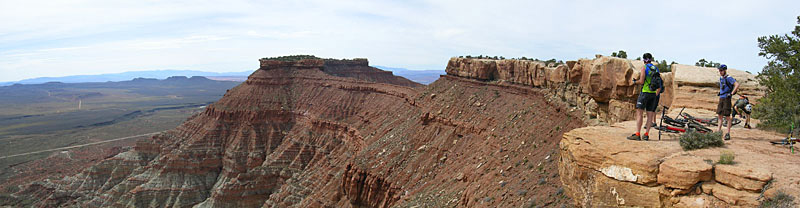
x=656 y=83
x=726 y=83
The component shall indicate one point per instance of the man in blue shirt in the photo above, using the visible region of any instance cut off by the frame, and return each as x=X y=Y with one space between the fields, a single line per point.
x=727 y=88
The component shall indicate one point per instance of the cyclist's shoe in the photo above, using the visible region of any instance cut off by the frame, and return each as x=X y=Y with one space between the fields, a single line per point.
x=728 y=136
x=634 y=137
x=747 y=126
x=645 y=137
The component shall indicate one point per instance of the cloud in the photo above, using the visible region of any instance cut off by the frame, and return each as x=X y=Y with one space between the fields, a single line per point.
x=49 y=38
x=174 y=42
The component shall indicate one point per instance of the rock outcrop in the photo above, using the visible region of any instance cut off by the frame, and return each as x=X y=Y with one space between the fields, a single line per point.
x=600 y=168
x=603 y=87
x=293 y=135
x=696 y=87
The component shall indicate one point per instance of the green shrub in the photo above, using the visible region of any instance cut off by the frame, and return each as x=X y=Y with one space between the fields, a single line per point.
x=692 y=140
x=778 y=109
x=726 y=157
x=781 y=199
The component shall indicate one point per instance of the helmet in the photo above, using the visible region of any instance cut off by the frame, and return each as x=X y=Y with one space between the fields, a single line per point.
x=748 y=107
x=722 y=67
x=647 y=57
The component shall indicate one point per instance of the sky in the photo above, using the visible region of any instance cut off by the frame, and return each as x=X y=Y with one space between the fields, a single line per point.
x=81 y=37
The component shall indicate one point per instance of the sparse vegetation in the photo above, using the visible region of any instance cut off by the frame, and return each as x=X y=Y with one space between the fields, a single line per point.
x=780 y=106
x=780 y=200
x=620 y=54
x=291 y=58
x=726 y=157
x=692 y=140
x=704 y=63
x=547 y=62
x=663 y=66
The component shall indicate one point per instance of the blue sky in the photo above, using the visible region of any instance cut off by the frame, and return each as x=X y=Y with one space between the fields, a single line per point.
x=59 y=38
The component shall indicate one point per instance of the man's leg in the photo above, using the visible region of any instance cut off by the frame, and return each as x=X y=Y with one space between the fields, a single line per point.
x=651 y=118
x=719 y=123
x=747 y=122
x=730 y=119
x=639 y=121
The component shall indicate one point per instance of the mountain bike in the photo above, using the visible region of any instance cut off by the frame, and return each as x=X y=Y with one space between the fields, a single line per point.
x=680 y=125
x=789 y=140
x=710 y=121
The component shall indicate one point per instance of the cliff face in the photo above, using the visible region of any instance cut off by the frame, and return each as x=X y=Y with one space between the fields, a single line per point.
x=603 y=88
x=293 y=135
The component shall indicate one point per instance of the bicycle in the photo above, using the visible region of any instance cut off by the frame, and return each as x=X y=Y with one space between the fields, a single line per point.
x=734 y=121
x=789 y=140
x=710 y=121
x=681 y=125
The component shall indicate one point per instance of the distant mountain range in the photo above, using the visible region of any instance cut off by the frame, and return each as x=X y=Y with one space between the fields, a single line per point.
x=420 y=76
x=124 y=76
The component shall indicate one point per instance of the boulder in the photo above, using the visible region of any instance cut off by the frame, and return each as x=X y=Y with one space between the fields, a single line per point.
x=620 y=111
x=731 y=195
x=559 y=74
x=683 y=172
x=611 y=78
x=482 y=69
x=742 y=177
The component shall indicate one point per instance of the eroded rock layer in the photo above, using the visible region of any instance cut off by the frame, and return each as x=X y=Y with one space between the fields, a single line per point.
x=292 y=135
x=603 y=87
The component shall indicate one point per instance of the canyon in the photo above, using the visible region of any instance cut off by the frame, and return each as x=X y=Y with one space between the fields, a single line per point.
x=490 y=133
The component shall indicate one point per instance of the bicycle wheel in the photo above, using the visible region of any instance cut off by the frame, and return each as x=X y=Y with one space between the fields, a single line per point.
x=699 y=128
x=782 y=142
x=735 y=121
x=674 y=122
x=711 y=122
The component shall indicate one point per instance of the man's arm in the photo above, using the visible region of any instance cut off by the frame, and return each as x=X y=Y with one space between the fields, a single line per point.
x=641 y=76
x=735 y=88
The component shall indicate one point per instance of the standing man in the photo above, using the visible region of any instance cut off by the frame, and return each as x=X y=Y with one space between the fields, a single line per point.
x=727 y=88
x=648 y=99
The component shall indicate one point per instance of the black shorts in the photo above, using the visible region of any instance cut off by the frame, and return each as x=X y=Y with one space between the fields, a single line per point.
x=724 y=106
x=647 y=101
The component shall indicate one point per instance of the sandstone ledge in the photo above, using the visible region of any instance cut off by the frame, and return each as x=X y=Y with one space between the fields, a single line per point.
x=603 y=87
x=600 y=168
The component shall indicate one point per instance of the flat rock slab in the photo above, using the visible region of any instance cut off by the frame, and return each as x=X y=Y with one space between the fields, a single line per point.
x=683 y=172
x=731 y=195
x=742 y=177
x=598 y=158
